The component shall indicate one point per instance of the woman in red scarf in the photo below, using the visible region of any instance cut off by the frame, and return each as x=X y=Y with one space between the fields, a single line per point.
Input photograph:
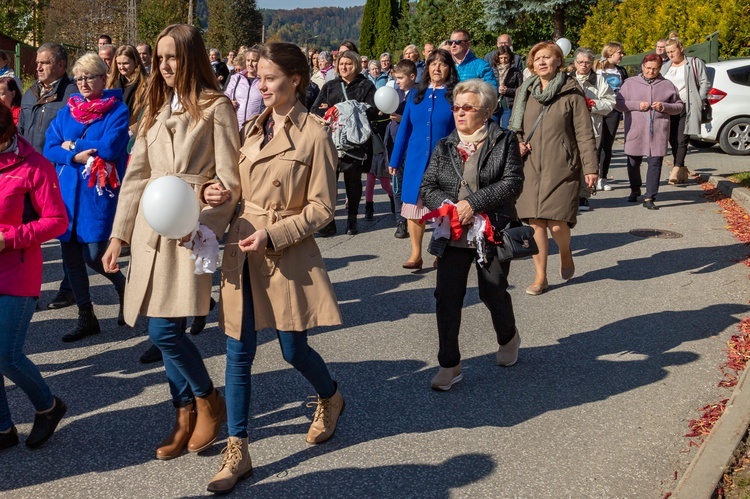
x=87 y=142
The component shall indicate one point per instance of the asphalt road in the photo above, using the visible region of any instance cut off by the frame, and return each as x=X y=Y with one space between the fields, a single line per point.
x=613 y=365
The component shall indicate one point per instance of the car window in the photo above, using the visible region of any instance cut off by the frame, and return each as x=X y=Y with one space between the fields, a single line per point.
x=711 y=74
x=740 y=76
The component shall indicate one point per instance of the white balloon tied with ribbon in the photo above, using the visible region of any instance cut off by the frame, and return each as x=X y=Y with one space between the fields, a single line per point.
x=386 y=99
x=170 y=207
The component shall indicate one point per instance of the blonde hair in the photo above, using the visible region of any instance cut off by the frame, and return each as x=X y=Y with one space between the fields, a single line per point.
x=90 y=63
x=608 y=51
x=674 y=41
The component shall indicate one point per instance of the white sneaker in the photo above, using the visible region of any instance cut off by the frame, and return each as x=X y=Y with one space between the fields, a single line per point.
x=602 y=185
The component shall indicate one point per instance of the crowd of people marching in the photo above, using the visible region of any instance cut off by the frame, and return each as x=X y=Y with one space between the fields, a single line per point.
x=262 y=137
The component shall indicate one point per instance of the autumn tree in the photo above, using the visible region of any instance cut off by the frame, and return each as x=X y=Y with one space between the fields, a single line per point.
x=692 y=19
x=232 y=23
x=560 y=13
x=155 y=15
x=23 y=19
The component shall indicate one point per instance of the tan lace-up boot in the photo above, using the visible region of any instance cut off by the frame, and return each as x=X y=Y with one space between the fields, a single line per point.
x=325 y=418
x=236 y=465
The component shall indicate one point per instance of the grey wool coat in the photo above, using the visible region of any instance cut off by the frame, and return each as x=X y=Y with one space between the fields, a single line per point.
x=563 y=145
x=698 y=85
x=647 y=132
x=161 y=281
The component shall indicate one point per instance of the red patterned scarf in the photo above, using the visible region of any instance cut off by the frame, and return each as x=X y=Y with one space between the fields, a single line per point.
x=87 y=112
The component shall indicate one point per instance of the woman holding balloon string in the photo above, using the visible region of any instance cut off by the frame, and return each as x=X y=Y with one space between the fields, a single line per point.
x=273 y=275
x=189 y=130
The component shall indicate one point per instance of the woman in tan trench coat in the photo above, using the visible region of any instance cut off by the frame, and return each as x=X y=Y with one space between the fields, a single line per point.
x=555 y=151
x=273 y=275
x=189 y=129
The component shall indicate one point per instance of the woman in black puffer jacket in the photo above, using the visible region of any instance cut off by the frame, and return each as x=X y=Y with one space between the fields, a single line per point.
x=351 y=81
x=490 y=163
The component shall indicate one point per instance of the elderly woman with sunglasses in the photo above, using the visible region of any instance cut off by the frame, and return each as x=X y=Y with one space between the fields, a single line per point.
x=87 y=142
x=478 y=167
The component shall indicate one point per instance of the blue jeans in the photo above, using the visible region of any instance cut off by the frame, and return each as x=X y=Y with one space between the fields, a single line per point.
x=240 y=355
x=186 y=372
x=75 y=257
x=15 y=316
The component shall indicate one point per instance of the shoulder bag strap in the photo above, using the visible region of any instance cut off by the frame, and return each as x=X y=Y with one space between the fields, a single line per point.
x=458 y=172
x=536 y=123
x=343 y=89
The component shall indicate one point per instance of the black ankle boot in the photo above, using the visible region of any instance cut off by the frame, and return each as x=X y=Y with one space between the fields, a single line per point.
x=351 y=226
x=45 y=424
x=87 y=325
x=9 y=439
x=327 y=230
x=369 y=211
x=153 y=354
x=120 y=312
x=393 y=204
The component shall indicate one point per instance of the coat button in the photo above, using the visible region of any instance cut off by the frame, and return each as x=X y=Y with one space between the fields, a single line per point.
x=276 y=182
x=233 y=253
x=174 y=130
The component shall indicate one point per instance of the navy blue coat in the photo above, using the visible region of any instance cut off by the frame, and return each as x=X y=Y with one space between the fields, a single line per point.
x=91 y=214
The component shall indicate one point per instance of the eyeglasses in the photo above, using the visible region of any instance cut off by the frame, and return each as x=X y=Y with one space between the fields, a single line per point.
x=87 y=79
x=466 y=108
x=584 y=63
x=455 y=42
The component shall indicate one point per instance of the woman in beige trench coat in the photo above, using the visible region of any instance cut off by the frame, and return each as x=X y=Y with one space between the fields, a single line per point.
x=273 y=275
x=189 y=129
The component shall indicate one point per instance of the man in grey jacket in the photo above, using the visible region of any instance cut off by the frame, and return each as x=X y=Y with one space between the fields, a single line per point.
x=39 y=106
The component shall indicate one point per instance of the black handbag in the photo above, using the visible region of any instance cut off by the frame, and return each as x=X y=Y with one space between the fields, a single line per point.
x=513 y=241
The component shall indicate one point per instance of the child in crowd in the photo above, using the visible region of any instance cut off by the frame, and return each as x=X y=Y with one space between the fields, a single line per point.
x=405 y=75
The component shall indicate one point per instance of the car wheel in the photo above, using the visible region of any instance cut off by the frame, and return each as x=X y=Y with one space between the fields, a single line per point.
x=735 y=137
x=701 y=144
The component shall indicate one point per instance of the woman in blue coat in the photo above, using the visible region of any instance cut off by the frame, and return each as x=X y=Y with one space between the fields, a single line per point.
x=87 y=142
x=427 y=118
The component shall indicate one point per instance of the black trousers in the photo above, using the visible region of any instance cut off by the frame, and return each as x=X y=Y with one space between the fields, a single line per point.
x=452 y=274
x=678 y=141
x=606 y=141
x=353 y=170
x=652 y=174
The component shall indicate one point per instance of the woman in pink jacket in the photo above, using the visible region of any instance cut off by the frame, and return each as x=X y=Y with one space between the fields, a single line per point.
x=26 y=179
x=647 y=102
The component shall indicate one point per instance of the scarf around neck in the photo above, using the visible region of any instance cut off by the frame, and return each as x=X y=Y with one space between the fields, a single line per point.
x=648 y=80
x=502 y=72
x=532 y=86
x=87 y=112
x=467 y=144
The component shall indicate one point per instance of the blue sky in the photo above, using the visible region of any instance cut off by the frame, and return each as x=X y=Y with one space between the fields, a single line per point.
x=302 y=4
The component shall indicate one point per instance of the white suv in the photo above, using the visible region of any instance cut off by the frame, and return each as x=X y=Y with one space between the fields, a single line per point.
x=730 y=102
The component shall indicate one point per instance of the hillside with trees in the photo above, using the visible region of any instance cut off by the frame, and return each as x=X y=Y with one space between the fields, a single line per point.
x=324 y=27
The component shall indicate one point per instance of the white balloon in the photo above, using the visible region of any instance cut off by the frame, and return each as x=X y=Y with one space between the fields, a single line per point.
x=386 y=99
x=565 y=45
x=170 y=207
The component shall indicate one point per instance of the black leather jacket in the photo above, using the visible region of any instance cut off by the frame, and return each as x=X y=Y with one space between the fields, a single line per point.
x=500 y=173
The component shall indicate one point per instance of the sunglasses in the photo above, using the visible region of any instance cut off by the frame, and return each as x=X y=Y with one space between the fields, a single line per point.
x=456 y=42
x=466 y=108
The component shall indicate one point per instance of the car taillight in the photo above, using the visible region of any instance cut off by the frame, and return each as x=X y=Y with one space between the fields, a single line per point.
x=715 y=95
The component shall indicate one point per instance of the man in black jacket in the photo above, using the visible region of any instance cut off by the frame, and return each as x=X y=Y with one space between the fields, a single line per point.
x=39 y=106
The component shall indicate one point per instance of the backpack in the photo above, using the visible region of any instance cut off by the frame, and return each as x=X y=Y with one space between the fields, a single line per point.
x=351 y=130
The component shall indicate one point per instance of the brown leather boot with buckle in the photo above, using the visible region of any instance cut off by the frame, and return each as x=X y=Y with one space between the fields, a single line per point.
x=211 y=411
x=174 y=444
x=235 y=465
x=325 y=418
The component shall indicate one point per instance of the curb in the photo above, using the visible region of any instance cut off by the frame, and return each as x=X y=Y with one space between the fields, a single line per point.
x=717 y=452
x=739 y=194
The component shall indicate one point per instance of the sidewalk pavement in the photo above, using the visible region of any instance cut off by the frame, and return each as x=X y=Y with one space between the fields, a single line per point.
x=613 y=365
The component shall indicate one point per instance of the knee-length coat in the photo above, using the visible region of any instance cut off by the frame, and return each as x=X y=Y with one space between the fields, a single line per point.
x=161 y=281
x=289 y=189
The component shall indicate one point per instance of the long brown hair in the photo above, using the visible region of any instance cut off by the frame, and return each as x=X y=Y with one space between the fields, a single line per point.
x=139 y=78
x=291 y=61
x=194 y=78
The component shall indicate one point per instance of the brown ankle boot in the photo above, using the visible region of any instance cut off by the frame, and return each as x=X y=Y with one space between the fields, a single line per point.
x=174 y=444
x=211 y=412
x=235 y=465
x=325 y=418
